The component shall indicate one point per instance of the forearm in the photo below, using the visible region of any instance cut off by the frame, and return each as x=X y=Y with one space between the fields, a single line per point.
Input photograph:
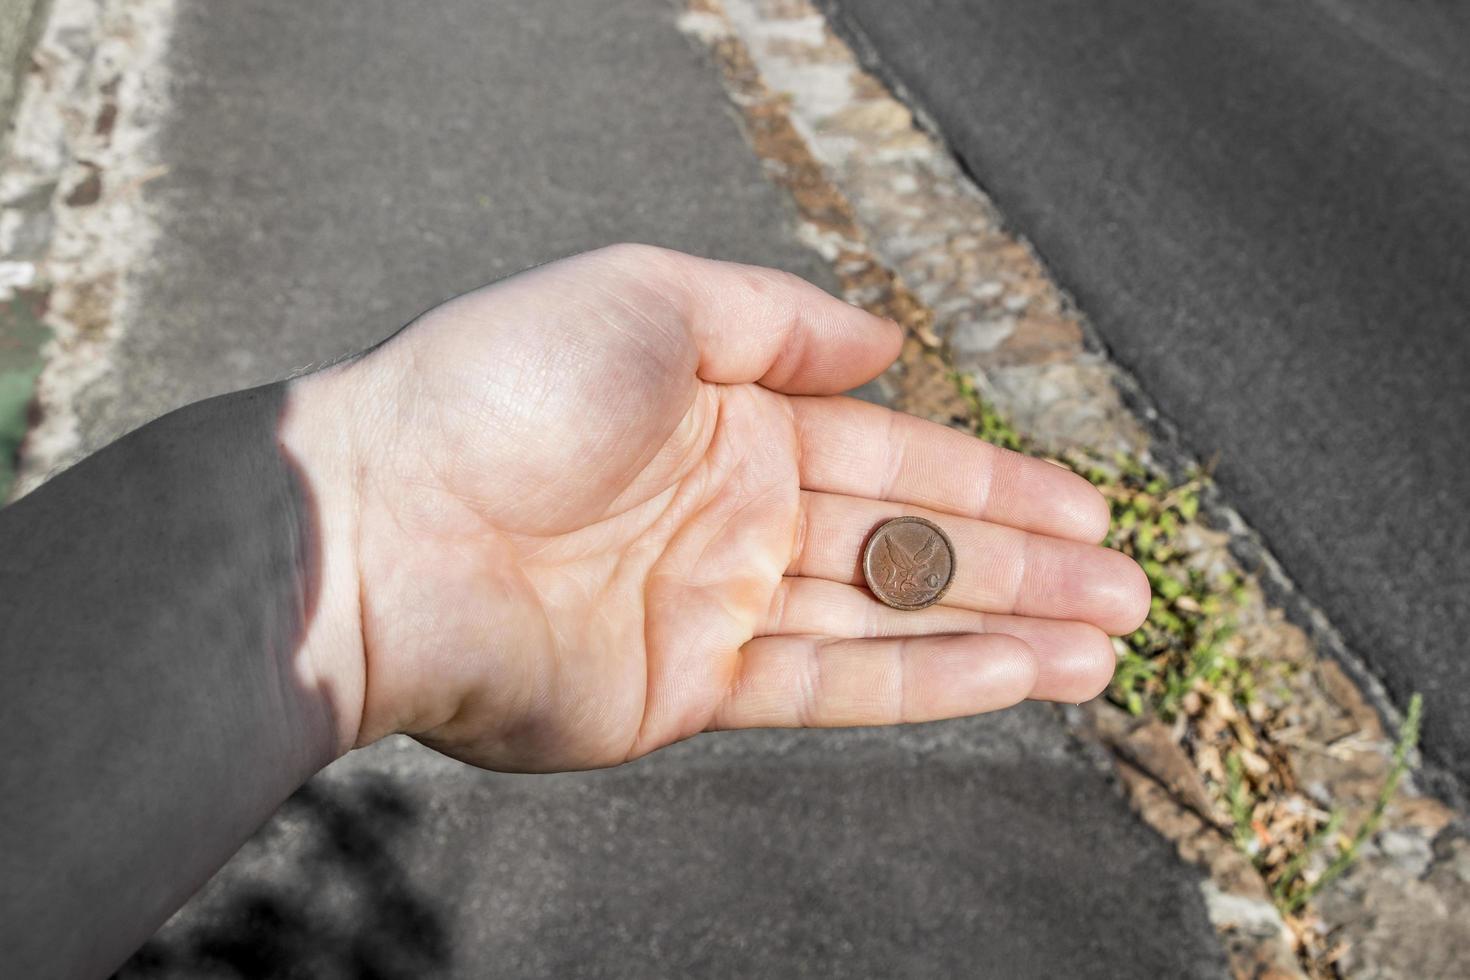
x=172 y=647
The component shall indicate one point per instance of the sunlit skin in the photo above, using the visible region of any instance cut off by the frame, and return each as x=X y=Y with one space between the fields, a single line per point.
x=555 y=523
x=616 y=501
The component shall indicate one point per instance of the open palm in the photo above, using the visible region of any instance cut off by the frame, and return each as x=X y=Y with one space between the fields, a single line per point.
x=613 y=502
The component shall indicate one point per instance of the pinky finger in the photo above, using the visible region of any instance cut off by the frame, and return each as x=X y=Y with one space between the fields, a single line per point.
x=819 y=682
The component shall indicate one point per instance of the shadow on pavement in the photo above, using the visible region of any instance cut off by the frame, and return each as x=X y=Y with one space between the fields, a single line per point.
x=981 y=847
x=346 y=909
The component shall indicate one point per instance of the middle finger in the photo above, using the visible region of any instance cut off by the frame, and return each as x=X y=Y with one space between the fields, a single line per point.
x=998 y=569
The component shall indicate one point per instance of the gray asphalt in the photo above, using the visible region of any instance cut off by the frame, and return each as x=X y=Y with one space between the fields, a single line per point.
x=984 y=849
x=1265 y=210
x=333 y=169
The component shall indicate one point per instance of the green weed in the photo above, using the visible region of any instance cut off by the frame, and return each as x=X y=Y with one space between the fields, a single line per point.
x=1292 y=890
x=1182 y=647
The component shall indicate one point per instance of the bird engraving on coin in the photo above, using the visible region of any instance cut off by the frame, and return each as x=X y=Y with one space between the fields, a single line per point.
x=908 y=563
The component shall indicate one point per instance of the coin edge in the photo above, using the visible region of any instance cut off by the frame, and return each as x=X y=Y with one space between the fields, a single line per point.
x=868 y=552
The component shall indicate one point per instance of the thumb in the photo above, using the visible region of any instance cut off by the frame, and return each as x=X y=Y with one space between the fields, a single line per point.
x=753 y=324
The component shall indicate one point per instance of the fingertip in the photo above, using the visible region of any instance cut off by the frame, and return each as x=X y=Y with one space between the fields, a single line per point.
x=1000 y=670
x=1022 y=665
x=1045 y=496
x=1020 y=671
x=841 y=347
x=1079 y=664
x=1081 y=511
x=891 y=334
x=1132 y=596
x=1093 y=516
x=882 y=342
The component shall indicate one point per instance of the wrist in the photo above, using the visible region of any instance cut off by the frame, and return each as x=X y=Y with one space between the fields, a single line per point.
x=316 y=438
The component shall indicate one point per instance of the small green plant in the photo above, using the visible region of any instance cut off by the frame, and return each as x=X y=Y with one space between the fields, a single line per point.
x=1238 y=797
x=1292 y=870
x=1182 y=649
x=986 y=422
x=1182 y=645
x=1292 y=890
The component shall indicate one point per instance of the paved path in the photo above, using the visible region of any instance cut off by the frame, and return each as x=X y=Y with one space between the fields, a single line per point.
x=987 y=848
x=1264 y=208
x=333 y=169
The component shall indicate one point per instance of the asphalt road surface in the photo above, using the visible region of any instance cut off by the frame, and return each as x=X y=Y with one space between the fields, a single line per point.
x=1265 y=209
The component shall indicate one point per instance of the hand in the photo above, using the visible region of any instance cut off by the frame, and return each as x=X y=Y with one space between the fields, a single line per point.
x=612 y=502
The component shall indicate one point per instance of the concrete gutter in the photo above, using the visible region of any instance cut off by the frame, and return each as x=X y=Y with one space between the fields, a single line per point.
x=72 y=215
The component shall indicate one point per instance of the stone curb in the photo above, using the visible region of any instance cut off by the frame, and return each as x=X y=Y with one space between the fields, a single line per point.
x=71 y=213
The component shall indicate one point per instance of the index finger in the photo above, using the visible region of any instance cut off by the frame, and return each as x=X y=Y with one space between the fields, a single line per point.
x=862 y=450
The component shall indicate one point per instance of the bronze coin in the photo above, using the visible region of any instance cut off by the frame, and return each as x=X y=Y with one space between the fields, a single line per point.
x=908 y=563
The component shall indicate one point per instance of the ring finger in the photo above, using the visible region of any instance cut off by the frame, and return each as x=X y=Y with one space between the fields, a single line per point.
x=1075 y=660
